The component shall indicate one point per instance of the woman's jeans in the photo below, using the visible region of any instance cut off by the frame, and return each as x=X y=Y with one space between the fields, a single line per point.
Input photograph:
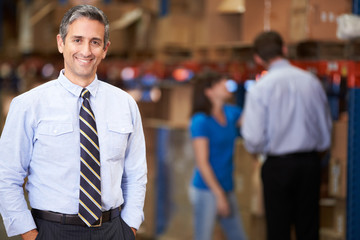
x=205 y=216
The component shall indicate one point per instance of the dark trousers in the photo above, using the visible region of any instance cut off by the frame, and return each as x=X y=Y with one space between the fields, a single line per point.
x=116 y=229
x=291 y=185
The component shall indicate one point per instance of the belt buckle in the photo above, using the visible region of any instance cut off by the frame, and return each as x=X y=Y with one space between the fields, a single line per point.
x=98 y=225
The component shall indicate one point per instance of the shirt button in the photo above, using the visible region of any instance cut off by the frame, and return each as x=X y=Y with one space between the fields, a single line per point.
x=122 y=129
x=55 y=131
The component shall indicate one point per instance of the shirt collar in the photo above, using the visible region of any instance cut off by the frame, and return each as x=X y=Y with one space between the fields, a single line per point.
x=76 y=89
x=279 y=64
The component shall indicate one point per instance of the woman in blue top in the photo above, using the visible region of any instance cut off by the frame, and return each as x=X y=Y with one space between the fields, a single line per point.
x=213 y=132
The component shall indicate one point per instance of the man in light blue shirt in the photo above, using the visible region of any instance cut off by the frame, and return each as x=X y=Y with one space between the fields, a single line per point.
x=286 y=117
x=41 y=141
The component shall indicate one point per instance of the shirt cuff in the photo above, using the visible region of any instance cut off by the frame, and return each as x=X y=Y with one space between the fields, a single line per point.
x=19 y=223
x=132 y=218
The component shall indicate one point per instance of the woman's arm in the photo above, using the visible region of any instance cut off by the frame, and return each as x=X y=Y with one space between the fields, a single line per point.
x=201 y=149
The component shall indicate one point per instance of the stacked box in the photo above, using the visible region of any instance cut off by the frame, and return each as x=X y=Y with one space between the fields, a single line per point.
x=248 y=189
x=295 y=20
x=333 y=221
x=316 y=19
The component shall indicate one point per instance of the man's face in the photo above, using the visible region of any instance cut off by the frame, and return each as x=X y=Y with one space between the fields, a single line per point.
x=83 y=50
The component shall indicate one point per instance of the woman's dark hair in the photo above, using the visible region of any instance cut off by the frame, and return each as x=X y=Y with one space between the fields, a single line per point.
x=202 y=81
x=268 y=45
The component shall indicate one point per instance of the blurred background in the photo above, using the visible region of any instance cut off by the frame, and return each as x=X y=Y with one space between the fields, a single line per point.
x=157 y=46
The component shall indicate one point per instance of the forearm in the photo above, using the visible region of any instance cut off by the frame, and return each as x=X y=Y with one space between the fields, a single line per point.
x=134 y=177
x=132 y=209
x=201 y=149
x=30 y=235
x=253 y=128
x=134 y=231
x=13 y=206
x=17 y=221
x=133 y=186
x=134 y=189
x=210 y=179
x=15 y=151
x=213 y=184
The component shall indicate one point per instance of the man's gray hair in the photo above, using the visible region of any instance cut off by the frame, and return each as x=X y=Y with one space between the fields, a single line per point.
x=80 y=11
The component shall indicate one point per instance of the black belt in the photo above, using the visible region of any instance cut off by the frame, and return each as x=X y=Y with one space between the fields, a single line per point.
x=294 y=155
x=74 y=219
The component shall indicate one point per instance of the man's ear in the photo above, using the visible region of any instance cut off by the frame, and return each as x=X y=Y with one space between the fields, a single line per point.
x=285 y=50
x=106 y=49
x=258 y=60
x=60 y=43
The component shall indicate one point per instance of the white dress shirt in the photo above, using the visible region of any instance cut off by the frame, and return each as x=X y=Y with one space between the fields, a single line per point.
x=41 y=140
x=286 y=112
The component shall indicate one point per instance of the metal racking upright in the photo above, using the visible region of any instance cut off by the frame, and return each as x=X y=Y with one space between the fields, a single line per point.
x=353 y=171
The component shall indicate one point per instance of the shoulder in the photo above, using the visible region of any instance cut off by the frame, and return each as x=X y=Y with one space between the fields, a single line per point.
x=305 y=78
x=302 y=72
x=115 y=93
x=111 y=89
x=198 y=125
x=279 y=78
x=27 y=99
x=199 y=119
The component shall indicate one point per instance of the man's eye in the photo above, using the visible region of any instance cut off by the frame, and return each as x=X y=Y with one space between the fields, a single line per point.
x=96 y=43
x=77 y=40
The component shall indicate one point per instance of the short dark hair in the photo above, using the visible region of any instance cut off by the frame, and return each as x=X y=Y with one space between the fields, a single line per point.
x=268 y=45
x=202 y=81
x=86 y=11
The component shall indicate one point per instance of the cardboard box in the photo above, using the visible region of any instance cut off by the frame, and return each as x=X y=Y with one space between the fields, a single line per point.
x=173 y=108
x=148 y=227
x=248 y=184
x=337 y=178
x=174 y=30
x=340 y=218
x=296 y=4
x=263 y=15
x=295 y=20
x=151 y=5
x=327 y=213
x=258 y=228
x=339 y=140
x=257 y=197
x=244 y=168
x=333 y=219
x=213 y=28
x=317 y=19
x=175 y=104
x=328 y=234
x=254 y=226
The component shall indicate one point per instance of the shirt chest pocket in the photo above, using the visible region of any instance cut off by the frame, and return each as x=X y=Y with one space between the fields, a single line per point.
x=53 y=136
x=118 y=136
x=54 y=128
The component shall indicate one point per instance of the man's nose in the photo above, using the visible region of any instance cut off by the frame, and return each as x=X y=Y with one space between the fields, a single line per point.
x=86 y=49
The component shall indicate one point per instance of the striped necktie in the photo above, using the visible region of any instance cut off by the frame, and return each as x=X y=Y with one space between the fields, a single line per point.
x=90 y=181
